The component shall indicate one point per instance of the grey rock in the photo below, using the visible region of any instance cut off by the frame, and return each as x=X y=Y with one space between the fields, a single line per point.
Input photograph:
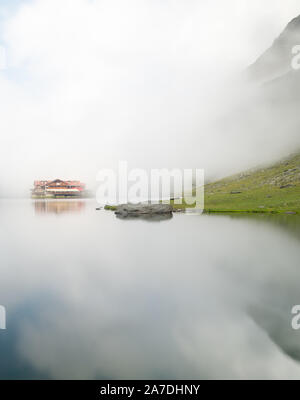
x=143 y=209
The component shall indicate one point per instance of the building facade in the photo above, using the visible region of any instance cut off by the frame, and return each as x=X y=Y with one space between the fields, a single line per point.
x=57 y=188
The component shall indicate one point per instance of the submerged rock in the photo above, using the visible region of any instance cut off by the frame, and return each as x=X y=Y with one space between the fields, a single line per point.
x=143 y=209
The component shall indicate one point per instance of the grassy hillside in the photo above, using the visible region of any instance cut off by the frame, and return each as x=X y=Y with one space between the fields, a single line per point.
x=272 y=189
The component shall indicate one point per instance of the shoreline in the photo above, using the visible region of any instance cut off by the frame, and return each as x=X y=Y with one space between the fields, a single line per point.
x=224 y=211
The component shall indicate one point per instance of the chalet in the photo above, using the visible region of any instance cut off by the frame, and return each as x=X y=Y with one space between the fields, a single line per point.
x=57 y=188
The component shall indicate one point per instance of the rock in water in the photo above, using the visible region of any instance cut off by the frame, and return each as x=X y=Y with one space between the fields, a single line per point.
x=143 y=209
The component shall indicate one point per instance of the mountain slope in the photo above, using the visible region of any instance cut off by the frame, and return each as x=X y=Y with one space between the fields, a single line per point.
x=276 y=61
x=274 y=114
x=271 y=189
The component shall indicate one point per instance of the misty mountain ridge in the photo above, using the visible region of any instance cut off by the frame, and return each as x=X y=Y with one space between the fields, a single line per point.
x=276 y=61
x=272 y=114
x=267 y=117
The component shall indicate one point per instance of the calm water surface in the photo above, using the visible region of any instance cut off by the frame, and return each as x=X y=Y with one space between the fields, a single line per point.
x=88 y=295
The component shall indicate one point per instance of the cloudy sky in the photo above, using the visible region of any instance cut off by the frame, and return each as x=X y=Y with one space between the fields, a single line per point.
x=90 y=82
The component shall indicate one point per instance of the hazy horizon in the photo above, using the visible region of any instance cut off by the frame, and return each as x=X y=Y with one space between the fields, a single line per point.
x=90 y=83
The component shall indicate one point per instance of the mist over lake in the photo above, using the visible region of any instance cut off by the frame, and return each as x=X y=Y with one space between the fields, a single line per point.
x=92 y=296
x=149 y=194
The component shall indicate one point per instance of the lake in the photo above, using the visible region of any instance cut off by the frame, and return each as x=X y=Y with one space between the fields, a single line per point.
x=88 y=295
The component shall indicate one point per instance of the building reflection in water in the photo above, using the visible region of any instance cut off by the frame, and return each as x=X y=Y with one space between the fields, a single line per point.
x=58 y=206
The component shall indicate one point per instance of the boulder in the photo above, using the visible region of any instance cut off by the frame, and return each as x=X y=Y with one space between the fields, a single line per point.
x=143 y=209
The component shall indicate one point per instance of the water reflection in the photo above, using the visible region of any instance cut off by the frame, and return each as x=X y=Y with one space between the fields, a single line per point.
x=58 y=206
x=275 y=319
x=146 y=217
x=92 y=296
x=289 y=223
x=277 y=325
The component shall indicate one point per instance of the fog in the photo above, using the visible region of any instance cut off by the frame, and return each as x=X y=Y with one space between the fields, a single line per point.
x=90 y=296
x=155 y=83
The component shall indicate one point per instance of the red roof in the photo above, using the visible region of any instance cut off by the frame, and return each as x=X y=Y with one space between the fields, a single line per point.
x=77 y=184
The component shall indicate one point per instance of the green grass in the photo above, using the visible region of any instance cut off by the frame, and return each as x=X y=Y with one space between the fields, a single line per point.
x=274 y=189
x=269 y=190
x=111 y=208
